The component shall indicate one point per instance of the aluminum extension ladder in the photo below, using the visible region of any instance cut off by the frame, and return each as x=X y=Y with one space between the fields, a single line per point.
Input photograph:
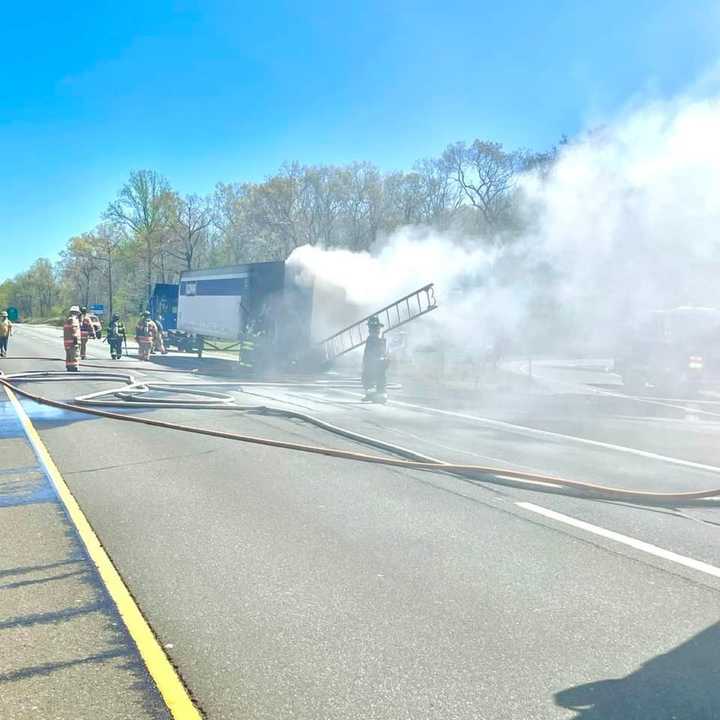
x=402 y=311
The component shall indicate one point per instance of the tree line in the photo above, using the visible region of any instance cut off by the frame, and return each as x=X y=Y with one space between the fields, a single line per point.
x=150 y=232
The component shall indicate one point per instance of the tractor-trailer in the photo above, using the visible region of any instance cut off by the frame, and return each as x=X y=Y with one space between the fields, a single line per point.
x=222 y=303
x=277 y=301
x=281 y=307
x=236 y=302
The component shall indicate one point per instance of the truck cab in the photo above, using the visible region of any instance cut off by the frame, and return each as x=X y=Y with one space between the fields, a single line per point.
x=164 y=305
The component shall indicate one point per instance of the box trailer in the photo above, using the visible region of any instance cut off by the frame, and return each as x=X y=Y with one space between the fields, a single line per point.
x=230 y=304
x=291 y=317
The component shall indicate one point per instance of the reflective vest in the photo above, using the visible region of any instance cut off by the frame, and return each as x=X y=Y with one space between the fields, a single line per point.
x=71 y=331
x=143 y=332
x=116 y=329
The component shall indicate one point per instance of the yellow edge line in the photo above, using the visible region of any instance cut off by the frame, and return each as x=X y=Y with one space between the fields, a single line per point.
x=168 y=682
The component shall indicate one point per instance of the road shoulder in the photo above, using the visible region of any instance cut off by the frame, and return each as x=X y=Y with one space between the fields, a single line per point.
x=64 y=649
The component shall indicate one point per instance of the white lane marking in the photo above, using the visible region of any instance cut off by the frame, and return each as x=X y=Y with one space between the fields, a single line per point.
x=510 y=465
x=624 y=539
x=529 y=431
x=669 y=403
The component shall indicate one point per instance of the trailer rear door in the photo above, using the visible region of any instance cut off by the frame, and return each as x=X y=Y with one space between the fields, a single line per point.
x=213 y=305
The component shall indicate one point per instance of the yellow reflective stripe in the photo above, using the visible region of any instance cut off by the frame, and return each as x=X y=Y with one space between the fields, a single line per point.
x=174 y=693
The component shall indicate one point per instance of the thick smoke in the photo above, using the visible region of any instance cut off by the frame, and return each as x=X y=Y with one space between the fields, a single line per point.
x=628 y=218
x=464 y=272
x=626 y=221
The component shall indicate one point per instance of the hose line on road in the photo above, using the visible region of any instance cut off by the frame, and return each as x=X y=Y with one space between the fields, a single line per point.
x=136 y=394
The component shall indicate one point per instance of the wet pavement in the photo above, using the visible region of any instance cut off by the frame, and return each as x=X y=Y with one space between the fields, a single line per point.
x=64 y=651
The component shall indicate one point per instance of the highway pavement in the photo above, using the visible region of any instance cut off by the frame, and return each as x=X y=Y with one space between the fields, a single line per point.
x=290 y=585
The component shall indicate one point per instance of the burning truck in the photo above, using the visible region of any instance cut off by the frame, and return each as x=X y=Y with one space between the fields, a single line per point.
x=294 y=319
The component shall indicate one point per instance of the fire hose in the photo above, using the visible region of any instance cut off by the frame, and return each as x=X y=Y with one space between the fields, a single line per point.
x=139 y=394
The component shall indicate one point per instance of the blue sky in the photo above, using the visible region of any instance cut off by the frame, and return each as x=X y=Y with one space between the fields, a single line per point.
x=213 y=90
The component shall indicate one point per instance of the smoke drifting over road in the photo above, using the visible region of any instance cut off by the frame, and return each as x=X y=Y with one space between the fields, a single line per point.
x=627 y=220
x=629 y=216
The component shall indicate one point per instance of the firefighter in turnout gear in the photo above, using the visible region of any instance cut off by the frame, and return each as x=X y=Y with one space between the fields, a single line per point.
x=5 y=331
x=375 y=362
x=72 y=338
x=158 y=342
x=87 y=331
x=145 y=331
x=116 y=336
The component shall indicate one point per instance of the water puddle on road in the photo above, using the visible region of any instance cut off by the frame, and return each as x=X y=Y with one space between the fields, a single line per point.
x=46 y=416
x=25 y=486
x=10 y=426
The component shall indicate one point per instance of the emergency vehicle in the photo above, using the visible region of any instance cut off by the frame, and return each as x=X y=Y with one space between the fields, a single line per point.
x=672 y=352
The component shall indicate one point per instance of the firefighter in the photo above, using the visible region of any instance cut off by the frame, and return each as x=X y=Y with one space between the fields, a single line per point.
x=158 y=342
x=375 y=362
x=87 y=331
x=72 y=338
x=116 y=336
x=6 y=328
x=144 y=334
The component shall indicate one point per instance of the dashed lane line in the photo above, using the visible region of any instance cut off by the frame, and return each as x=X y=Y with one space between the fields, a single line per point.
x=624 y=539
x=536 y=432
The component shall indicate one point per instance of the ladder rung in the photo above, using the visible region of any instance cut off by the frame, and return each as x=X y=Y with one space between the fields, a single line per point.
x=348 y=339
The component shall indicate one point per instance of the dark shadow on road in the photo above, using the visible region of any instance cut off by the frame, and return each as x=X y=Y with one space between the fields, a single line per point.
x=25 y=569
x=54 y=617
x=682 y=684
x=221 y=367
x=28 y=490
x=48 y=668
x=40 y=581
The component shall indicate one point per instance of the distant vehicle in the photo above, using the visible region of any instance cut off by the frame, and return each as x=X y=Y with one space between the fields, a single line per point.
x=97 y=326
x=673 y=351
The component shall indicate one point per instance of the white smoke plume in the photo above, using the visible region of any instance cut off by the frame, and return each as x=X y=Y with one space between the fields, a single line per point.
x=629 y=216
x=627 y=221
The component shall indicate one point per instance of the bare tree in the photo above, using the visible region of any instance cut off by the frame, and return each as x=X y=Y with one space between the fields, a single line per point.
x=141 y=208
x=80 y=266
x=440 y=195
x=275 y=208
x=106 y=240
x=362 y=205
x=403 y=194
x=233 y=234
x=190 y=218
x=486 y=175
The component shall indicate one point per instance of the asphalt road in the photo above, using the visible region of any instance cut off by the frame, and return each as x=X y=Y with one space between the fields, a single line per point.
x=288 y=585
